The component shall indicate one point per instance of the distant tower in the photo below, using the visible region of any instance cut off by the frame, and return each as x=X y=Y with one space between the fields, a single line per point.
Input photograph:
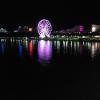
x=81 y=28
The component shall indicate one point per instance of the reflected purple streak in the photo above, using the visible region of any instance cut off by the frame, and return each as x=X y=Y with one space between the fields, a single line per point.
x=44 y=51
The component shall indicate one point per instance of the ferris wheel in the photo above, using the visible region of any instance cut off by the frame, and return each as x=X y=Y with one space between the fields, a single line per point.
x=44 y=28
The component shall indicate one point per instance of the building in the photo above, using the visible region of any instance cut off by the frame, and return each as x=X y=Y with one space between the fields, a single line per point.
x=78 y=28
x=2 y=30
x=95 y=28
x=24 y=29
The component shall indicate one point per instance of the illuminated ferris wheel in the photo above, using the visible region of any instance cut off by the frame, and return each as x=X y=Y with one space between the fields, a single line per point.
x=44 y=28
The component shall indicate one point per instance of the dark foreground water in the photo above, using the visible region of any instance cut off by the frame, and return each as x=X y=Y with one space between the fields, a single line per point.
x=51 y=70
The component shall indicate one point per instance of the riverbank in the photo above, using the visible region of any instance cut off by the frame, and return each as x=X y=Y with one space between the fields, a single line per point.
x=66 y=38
x=73 y=38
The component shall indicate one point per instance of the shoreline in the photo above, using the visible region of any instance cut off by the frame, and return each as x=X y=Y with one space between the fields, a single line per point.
x=73 y=38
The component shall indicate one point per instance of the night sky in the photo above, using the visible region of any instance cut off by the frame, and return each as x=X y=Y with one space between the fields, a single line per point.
x=61 y=13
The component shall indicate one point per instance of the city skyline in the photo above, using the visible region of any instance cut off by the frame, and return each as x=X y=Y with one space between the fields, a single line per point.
x=57 y=23
x=61 y=14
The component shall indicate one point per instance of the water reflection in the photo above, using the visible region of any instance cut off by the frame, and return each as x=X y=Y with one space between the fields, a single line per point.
x=31 y=48
x=27 y=47
x=57 y=45
x=44 y=51
x=20 y=48
x=2 y=46
x=95 y=49
x=79 y=47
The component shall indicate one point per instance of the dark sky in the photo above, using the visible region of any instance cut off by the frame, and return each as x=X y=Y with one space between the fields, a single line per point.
x=61 y=13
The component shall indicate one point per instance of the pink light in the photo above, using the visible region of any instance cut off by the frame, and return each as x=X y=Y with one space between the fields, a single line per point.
x=30 y=29
x=81 y=28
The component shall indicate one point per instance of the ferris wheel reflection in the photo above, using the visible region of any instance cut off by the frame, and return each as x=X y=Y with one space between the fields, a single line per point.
x=44 y=51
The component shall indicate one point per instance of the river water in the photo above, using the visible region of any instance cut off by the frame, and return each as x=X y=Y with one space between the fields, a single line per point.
x=39 y=69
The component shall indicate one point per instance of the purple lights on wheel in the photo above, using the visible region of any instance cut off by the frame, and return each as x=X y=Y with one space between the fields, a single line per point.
x=44 y=28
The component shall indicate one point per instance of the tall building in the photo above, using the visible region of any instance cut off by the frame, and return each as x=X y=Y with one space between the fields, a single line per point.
x=81 y=28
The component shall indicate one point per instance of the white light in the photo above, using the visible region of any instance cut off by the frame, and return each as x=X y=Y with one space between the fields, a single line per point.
x=30 y=29
x=42 y=36
x=93 y=29
x=96 y=36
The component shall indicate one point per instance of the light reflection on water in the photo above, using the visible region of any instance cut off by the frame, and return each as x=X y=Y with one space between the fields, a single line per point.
x=46 y=49
x=20 y=48
x=31 y=48
x=2 y=46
